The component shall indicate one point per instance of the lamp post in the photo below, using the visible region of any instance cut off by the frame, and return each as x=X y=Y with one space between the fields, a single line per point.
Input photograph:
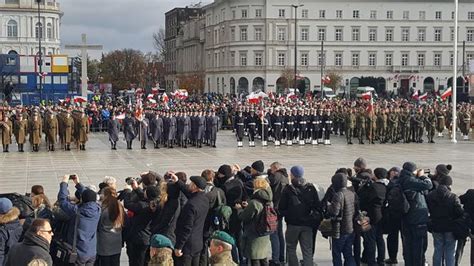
x=296 y=45
x=40 y=53
x=455 y=71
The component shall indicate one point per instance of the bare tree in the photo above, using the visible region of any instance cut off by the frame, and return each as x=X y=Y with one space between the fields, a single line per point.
x=159 y=43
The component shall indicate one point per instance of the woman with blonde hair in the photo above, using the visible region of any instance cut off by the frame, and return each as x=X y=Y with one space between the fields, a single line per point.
x=166 y=211
x=109 y=230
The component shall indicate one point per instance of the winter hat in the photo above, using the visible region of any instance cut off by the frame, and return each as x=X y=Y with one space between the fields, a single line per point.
x=88 y=196
x=339 y=181
x=152 y=192
x=161 y=241
x=225 y=170
x=297 y=171
x=5 y=205
x=380 y=173
x=199 y=181
x=224 y=237
x=395 y=169
x=360 y=163
x=409 y=166
x=150 y=178
x=443 y=169
x=258 y=166
x=446 y=180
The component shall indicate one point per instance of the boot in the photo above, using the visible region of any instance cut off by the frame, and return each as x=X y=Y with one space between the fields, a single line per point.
x=52 y=147
x=4 y=148
x=111 y=145
x=35 y=148
x=143 y=145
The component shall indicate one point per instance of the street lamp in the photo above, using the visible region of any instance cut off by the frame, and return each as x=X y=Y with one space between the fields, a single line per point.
x=296 y=44
x=40 y=60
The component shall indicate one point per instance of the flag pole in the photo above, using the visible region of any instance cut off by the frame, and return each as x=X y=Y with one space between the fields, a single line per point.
x=455 y=65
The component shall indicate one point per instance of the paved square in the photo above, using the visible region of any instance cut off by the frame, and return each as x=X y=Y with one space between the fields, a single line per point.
x=18 y=172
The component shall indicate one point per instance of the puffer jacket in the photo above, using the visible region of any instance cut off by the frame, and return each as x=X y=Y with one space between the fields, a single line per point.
x=278 y=181
x=10 y=232
x=415 y=189
x=444 y=207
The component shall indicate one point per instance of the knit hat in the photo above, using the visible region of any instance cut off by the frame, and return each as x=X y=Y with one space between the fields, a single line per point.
x=5 y=205
x=224 y=237
x=152 y=192
x=297 y=171
x=446 y=180
x=161 y=241
x=443 y=169
x=225 y=170
x=395 y=169
x=88 y=196
x=409 y=166
x=258 y=166
x=360 y=163
x=199 y=181
x=380 y=173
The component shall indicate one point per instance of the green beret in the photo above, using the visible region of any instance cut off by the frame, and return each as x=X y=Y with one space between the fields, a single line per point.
x=161 y=241
x=224 y=237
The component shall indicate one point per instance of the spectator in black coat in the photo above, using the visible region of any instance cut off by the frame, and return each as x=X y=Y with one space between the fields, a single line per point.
x=10 y=227
x=190 y=225
x=393 y=222
x=468 y=203
x=166 y=211
x=278 y=179
x=35 y=245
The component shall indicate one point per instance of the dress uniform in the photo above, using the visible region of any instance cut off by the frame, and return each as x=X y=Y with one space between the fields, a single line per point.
x=7 y=130
x=350 y=124
x=68 y=131
x=213 y=126
x=465 y=123
x=113 y=131
x=239 y=126
x=302 y=123
x=265 y=126
x=371 y=127
x=440 y=122
x=327 y=123
x=171 y=130
x=51 y=130
x=404 y=123
x=20 y=130
x=277 y=126
x=129 y=130
x=83 y=130
x=186 y=120
x=251 y=126
x=289 y=128
x=157 y=130
x=35 y=127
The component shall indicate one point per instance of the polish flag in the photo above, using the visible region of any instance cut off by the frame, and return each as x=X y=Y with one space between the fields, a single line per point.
x=366 y=95
x=121 y=116
x=424 y=96
x=154 y=90
x=446 y=93
x=80 y=99
x=255 y=97
x=150 y=96
x=165 y=98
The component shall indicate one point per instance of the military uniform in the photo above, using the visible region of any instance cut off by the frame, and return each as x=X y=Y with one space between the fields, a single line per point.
x=20 y=130
x=393 y=126
x=143 y=125
x=440 y=122
x=360 y=124
x=239 y=126
x=68 y=131
x=7 y=130
x=35 y=127
x=430 y=124
x=157 y=130
x=277 y=125
x=327 y=121
x=350 y=124
x=83 y=130
x=465 y=123
x=129 y=130
x=382 y=127
x=371 y=127
x=251 y=126
x=404 y=123
x=113 y=131
x=51 y=131
x=213 y=126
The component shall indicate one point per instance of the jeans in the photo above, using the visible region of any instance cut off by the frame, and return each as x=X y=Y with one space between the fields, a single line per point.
x=392 y=244
x=380 y=244
x=357 y=248
x=304 y=236
x=278 y=243
x=414 y=238
x=444 y=249
x=369 y=243
x=343 y=245
x=85 y=262
x=108 y=260
x=136 y=254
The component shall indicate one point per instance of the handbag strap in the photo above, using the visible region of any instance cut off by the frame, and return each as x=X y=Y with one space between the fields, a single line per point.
x=76 y=223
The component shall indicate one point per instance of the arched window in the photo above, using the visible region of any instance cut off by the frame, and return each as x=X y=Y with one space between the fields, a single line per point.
x=39 y=30
x=12 y=28
x=11 y=1
x=49 y=31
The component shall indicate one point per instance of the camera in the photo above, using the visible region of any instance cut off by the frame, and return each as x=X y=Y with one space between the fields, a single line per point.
x=72 y=177
x=427 y=171
x=129 y=180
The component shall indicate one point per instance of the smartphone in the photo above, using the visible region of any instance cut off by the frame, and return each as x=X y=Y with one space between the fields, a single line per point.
x=72 y=177
x=427 y=171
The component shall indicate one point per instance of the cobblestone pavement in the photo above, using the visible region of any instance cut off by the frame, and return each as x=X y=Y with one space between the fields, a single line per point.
x=19 y=171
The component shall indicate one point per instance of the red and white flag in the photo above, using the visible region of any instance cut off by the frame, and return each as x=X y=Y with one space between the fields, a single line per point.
x=80 y=99
x=446 y=93
x=366 y=95
x=165 y=98
x=424 y=96
x=256 y=97
x=415 y=95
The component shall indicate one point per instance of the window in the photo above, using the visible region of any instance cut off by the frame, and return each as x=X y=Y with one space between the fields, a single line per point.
x=451 y=59
x=258 y=34
x=389 y=35
x=232 y=58
x=321 y=34
x=304 y=34
x=388 y=59
x=12 y=1
x=355 y=59
x=437 y=59
x=304 y=13
x=12 y=28
x=244 y=13
x=281 y=34
x=338 y=35
x=404 y=59
x=373 y=14
x=281 y=59
x=304 y=59
x=243 y=59
x=405 y=34
x=39 y=30
x=438 y=15
x=233 y=14
x=452 y=34
x=355 y=14
x=258 y=13
x=422 y=15
x=421 y=34
x=321 y=59
x=372 y=34
x=258 y=59
x=406 y=14
x=338 y=13
x=390 y=14
x=372 y=59
x=322 y=13
x=216 y=60
x=470 y=35
x=49 y=31
x=470 y=15
x=437 y=35
x=338 y=59
x=243 y=34
x=232 y=34
x=452 y=15
x=421 y=59
x=281 y=13
x=355 y=34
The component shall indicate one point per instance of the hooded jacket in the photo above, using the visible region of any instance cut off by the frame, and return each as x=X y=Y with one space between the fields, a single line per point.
x=414 y=189
x=444 y=207
x=278 y=181
x=10 y=232
x=296 y=204
x=371 y=199
x=32 y=247
x=344 y=203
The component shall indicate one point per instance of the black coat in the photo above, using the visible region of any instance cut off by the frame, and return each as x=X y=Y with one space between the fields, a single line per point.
x=468 y=202
x=371 y=199
x=32 y=247
x=212 y=193
x=444 y=207
x=137 y=229
x=190 y=225
x=296 y=204
x=164 y=219
x=278 y=181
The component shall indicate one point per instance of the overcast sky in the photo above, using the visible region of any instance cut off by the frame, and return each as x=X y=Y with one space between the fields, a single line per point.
x=115 y=24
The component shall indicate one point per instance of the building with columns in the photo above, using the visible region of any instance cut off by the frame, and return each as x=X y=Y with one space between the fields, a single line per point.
x=390 y=45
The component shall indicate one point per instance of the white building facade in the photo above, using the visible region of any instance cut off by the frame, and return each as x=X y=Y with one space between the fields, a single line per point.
x=20 y=28
x=392 y=45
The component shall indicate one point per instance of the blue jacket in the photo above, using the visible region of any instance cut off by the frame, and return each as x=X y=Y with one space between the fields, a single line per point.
x=89 y=214
x=415 y=189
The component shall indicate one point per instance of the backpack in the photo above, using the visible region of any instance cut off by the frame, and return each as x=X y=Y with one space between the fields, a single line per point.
x=315 y=212
x=221 y=214
x=396 y=201
x=22 y=202
x=267 y=221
